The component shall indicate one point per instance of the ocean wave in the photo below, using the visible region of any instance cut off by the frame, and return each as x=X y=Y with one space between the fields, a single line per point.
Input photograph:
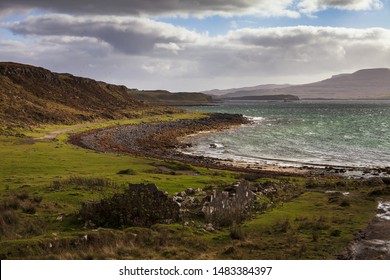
x=255 y=119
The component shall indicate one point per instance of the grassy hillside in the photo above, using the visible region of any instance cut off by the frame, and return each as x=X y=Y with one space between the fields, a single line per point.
x=44 y=183
x=31 y=95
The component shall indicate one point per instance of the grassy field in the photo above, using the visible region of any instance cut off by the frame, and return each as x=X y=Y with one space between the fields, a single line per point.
x=40 y=204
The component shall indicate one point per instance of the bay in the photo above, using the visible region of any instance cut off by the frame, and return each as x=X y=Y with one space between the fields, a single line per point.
x=351 y=133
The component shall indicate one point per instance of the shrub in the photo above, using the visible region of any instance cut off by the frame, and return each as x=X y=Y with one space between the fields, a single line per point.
x=37 y=199
x=380 y=191
x=334 y=197
x=345 y=203
x=22 y=195
x=10 y=203
x=28 y=208
x=236 y=232
x=139 y=205
x=250 y=176
x=7 y=218
x=315 y=235
x=126 y=172
x=335 y=233
x=386 y=180
x=178 y=166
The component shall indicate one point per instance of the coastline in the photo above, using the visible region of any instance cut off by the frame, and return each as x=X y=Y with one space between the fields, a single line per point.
x=168 y=141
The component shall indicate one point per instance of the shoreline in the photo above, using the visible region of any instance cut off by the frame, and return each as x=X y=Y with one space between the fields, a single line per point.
x=168 y=141
x=164 y=140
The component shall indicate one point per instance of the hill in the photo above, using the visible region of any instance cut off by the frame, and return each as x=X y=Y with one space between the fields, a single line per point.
x=285 y=97
x=362 y=84
x=32 y=95
x=163 y=97
x=236 y=92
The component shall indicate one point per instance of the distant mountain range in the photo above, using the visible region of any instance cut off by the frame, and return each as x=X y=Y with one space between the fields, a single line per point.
x=363 y=84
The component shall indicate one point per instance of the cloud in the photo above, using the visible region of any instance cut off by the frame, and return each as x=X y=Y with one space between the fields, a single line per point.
x=145 y=53
x=152 y=7
x=313 y=6
x=126 y=34
x=199 y=8
x=302 y=49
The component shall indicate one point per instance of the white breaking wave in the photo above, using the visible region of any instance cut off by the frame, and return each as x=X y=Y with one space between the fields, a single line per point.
x=255 y=119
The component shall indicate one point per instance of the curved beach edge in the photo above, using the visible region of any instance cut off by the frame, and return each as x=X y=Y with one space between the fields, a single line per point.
x=167 y=140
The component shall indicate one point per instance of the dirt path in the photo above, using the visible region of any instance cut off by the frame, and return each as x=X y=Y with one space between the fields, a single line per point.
x=52 y=135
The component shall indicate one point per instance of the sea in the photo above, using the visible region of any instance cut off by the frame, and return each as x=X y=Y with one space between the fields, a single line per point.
x=341 y=133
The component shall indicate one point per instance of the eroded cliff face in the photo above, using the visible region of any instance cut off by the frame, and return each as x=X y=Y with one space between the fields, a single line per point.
x=32 y=95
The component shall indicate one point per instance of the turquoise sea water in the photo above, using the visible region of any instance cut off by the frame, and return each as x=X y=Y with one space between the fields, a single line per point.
x=342 y=133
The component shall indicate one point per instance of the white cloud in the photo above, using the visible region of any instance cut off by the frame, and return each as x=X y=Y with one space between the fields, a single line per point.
x=313 y=6
x=145 y=53
x=173 y=47
x=126 y=34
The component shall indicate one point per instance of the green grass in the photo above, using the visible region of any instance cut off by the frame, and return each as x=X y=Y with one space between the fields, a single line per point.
x=32 y=167
x=304 y=227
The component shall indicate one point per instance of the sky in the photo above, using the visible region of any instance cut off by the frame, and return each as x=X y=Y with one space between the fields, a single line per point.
x=194 y=45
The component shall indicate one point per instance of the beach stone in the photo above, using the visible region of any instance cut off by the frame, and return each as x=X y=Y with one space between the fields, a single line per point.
x=209 y=227
x=178 y=199
x=183 y=194
x=190 y=191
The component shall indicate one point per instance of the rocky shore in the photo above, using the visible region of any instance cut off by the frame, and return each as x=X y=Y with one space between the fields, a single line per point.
x=166 y=140
x=163 y=140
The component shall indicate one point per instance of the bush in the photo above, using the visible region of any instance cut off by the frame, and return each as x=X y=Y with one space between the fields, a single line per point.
x=345 y=203
x=334 y=197
x=386 y=181
x=178 y=166
x=139 y=205
x=282 y=227
x=10 y=203
x=126 y=172
x=236 y=232
x=8 y=217
x=37 y=199
x=8 y=220
x=335 y=233
x=252 y=177
x=28 y=208
x=380 y=191
x=22 y=195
